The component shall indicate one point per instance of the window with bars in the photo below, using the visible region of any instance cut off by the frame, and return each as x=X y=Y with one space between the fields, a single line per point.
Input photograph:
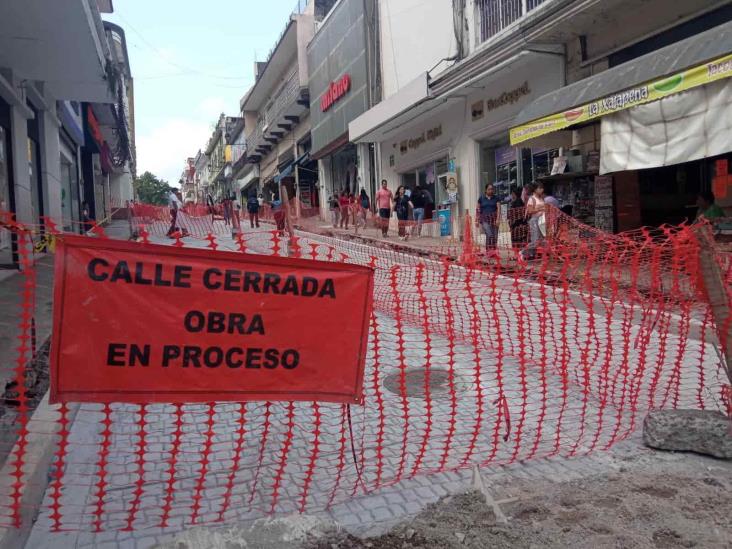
x=496 y=15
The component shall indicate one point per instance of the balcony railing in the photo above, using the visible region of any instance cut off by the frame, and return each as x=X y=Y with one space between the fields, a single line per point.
x=496 y=15
x=274 y=114
x=284 y=98
x=255 y=139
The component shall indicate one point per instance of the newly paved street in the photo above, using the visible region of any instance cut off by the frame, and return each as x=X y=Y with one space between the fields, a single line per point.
x=517 y=405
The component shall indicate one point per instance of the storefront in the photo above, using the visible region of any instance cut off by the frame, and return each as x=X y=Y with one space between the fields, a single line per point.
x=647 y=136
x=95 y=166
x=462 y=135
x=491 y=113
x=248 y=182
x=71 y=138
x=424 y=152
x=343 y=170
x=340 y=90
x=8 y=255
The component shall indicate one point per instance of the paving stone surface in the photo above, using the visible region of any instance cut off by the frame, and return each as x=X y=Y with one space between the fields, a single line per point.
x=410 y=451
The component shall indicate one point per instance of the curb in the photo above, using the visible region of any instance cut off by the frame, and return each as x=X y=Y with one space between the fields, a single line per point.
x=40 y=447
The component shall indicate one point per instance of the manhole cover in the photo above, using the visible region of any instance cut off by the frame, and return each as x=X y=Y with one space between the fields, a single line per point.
x=414 y=381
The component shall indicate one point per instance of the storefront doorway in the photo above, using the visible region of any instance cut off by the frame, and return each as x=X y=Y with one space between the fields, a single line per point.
x=344 y=170
x=426 y=175
x=668 y=194
x=69 y=185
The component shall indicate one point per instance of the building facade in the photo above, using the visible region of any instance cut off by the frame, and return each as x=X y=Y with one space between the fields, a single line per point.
x=276 y=111
x=219 y=160
x=450 y=101
x=49 y=73
x=200 y=177
x=344 y=83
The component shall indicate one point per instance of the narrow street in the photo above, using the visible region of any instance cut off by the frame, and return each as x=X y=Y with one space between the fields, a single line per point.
x=365 y=273
x=384 y=454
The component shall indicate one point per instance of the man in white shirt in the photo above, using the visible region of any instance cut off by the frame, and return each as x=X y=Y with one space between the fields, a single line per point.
x=175 y=204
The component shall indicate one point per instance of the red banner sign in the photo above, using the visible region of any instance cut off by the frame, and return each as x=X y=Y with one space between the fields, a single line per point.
x=335 y=91
x=144 y=323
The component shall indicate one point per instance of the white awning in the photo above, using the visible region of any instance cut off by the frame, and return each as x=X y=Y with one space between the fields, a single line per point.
x=365 y=127
x=687 y=126
x=416 y=99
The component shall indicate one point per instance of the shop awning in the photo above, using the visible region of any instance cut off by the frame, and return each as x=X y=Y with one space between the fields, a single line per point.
x=417 y=98
x=287 y=171
x=690 y=63
x=408 y=98
x=678 y=128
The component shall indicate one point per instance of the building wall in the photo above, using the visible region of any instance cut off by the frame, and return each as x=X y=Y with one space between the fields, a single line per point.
x=338 y=50
x=625 y=24
x=460 y=131
x=305 y=32
x=415 y=36
x=50 y=163
x=406 y=52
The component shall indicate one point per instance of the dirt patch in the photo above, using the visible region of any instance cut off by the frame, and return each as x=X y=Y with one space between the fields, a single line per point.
x=36 y=383
x=657 y=506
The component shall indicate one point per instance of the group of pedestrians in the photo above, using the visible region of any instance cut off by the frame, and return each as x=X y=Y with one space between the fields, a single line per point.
x=347 y=208
x=534 y=207
x=408 y=206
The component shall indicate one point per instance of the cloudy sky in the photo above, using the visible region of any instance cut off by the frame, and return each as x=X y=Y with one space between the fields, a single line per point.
x=191 y=61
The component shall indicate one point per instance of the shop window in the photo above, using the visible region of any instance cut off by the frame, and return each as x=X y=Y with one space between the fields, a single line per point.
x=511 y=167
x=542 y=161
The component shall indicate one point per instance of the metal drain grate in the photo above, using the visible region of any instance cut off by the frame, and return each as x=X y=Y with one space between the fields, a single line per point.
x=414 y=381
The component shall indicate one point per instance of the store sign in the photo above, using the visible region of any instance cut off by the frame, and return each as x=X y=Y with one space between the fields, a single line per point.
x=335 y=92
x=94 y=131
x=70 y=114
x=416 y=142
x=145 y=323
x=508 y=98
x=505 y=155
x=653 y=91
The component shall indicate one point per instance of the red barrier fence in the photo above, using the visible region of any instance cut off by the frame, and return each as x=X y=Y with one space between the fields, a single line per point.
x=473 y=359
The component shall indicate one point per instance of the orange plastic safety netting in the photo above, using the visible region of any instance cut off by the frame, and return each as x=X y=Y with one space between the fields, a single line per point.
x=479 y=354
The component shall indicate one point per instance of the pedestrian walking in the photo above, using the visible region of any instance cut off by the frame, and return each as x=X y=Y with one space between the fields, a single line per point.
x=535 y=213
x=278 y=213
x=362 y=208
x=334 y=210
x=236 y=211
x=226 y=207
x=253 y=210
x=174 y=205
x=420 y=198
x=401 y=207
x=488 y=215
x=517 y=216
x=211 y=206
x=344 y=205
x=383 y=199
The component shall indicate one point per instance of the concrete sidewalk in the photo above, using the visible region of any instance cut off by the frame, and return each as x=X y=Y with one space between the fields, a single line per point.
x=11 y=290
